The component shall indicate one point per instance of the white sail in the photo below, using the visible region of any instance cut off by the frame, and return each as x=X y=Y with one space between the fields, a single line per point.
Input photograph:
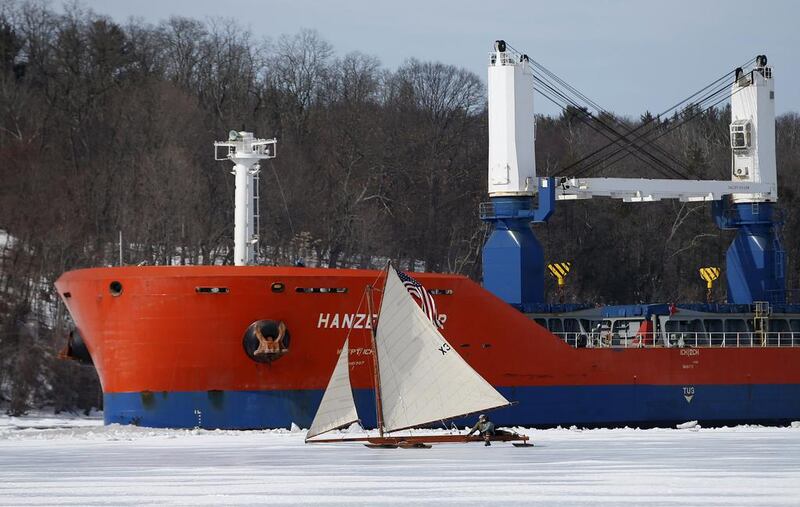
x=337 y=408
x=422 y=378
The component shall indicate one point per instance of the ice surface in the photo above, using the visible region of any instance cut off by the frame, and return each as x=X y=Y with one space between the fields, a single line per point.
x=72 y=461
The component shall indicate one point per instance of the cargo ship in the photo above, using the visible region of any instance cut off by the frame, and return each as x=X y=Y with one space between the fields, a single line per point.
x=247 y=346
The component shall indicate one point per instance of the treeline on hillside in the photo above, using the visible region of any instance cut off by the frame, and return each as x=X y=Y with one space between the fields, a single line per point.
x=107 y=128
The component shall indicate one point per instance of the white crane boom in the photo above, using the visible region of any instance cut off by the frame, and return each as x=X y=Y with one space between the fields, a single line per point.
x=648 y=190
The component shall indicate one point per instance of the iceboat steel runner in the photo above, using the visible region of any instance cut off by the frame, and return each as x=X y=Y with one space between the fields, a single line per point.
x=253 y=346
x=419 y=378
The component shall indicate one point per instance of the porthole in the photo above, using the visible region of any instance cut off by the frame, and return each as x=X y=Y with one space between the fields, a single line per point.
x=278 y=287
x=212 y=290
x=115 y=288
x=321 y=290
x=441 y=292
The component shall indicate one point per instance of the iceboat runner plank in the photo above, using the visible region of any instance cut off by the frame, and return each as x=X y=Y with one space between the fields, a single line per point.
x=424 y=439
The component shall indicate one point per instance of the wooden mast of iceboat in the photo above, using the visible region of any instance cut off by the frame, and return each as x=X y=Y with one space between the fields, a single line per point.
x=376 y=367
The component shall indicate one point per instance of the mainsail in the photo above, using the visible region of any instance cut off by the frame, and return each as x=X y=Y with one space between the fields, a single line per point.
x=422 y=378
x=337 y=409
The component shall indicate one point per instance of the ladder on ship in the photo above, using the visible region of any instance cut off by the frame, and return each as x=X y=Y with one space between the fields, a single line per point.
x=761 y=321
x=256 y=215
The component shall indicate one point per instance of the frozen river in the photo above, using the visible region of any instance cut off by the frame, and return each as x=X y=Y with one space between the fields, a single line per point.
x=80 y=462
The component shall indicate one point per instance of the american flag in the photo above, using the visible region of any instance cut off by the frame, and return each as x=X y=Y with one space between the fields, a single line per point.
x=424 y=297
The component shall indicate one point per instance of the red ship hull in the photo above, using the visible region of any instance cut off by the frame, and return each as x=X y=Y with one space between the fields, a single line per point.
x=167 y=343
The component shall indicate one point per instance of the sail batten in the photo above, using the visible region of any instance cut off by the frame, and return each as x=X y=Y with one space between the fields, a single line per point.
x=337 y=408
x=423 y=378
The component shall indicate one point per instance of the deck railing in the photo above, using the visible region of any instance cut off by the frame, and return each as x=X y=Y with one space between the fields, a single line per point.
x=681 y=340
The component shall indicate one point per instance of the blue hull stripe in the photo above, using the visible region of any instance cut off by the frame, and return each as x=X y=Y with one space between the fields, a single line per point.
x=636 y=405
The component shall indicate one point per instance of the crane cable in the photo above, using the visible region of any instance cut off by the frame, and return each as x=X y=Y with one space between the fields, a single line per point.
x=602 y=154
x=655 y=128
x=553 y=87
x=637 y=151
x=677 y=125
x=660 y=166
x=604 y=111
x=632 y=143
x=618 y=136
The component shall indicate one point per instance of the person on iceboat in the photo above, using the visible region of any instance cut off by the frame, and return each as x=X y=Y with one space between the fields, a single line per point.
x=484 y=427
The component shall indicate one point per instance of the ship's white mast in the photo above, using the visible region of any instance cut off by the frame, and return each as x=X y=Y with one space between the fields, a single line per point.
x=245 y=151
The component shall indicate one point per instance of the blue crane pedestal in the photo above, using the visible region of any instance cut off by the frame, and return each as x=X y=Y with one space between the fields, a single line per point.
x=514 y=266
x=755 y=262
x=513 y=260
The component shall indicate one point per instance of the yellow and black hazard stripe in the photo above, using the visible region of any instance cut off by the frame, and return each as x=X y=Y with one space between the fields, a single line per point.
x=559 y=270
x=709 y=274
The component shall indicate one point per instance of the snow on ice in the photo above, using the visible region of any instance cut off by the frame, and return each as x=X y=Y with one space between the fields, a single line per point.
x=78 y=461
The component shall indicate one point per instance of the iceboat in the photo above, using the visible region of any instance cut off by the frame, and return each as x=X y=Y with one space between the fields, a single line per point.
x=419 y=379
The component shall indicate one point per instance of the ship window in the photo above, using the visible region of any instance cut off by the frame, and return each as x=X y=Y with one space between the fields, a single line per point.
x=740 y=134
x=321 y=290
x=794 y=324
x=778 y=326
x=441 y=292
x=588 y=326
x=115 y=288
x=556 y=326
x=735 y=326
x=541 y=322
x=685 y=326
x=212 y=290
x=778 y=332
x=691 y=332
x=571 y=326
x=698 y=335
x=278 y=287
x=572 y=333
x=624 y=328
x=672 y=326
x=714 y=330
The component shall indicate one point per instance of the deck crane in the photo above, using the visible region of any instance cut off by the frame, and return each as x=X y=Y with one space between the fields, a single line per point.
x=513 y=260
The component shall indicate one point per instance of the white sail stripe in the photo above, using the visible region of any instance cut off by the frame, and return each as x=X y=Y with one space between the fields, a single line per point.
x=419 y=383
x=337 y=408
